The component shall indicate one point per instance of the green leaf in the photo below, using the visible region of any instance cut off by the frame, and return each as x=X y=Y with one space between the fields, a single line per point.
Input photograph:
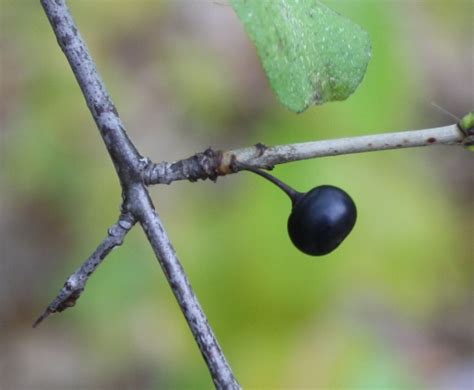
x=467 y=126
x=310 y=54
x=467 y=123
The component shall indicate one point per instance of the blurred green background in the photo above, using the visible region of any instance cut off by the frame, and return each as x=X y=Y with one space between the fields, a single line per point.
x=391 y=308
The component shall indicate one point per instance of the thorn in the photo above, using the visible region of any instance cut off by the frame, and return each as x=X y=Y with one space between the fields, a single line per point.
x=42 y=317
x=220 y=3
x=444 y=111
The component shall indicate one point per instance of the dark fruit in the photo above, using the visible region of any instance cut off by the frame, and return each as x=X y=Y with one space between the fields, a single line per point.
x=320 y=219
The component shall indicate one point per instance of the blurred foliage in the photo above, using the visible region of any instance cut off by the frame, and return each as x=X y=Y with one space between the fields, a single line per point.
x=184 y=76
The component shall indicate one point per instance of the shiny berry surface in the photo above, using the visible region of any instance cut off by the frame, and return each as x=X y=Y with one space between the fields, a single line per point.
x=321 y=219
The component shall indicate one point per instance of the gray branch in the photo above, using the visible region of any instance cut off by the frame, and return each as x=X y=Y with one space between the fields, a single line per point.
x=129 y=165
x=76 y=283
x=210 y=164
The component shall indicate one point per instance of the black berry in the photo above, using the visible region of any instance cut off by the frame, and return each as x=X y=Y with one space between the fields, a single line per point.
x=320 y=219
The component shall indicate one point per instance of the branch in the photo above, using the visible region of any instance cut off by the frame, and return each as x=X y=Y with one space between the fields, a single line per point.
x=75 y=284
x=210 y=164
x=129 y=165
x=220 y=371
x=123 y=153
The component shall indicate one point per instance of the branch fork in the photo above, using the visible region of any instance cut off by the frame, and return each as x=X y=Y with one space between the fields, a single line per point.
x=137 y=204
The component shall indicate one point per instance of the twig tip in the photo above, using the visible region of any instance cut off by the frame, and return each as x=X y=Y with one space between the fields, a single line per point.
x=42 y=317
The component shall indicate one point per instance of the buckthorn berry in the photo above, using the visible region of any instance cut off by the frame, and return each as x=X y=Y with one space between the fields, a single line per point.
x=320 y=219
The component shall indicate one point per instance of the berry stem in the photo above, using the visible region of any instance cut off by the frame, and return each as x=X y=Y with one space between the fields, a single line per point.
x=292 y=193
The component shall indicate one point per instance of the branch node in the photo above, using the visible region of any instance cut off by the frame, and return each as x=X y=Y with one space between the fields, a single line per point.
x=261 y=148
x=200 y=166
